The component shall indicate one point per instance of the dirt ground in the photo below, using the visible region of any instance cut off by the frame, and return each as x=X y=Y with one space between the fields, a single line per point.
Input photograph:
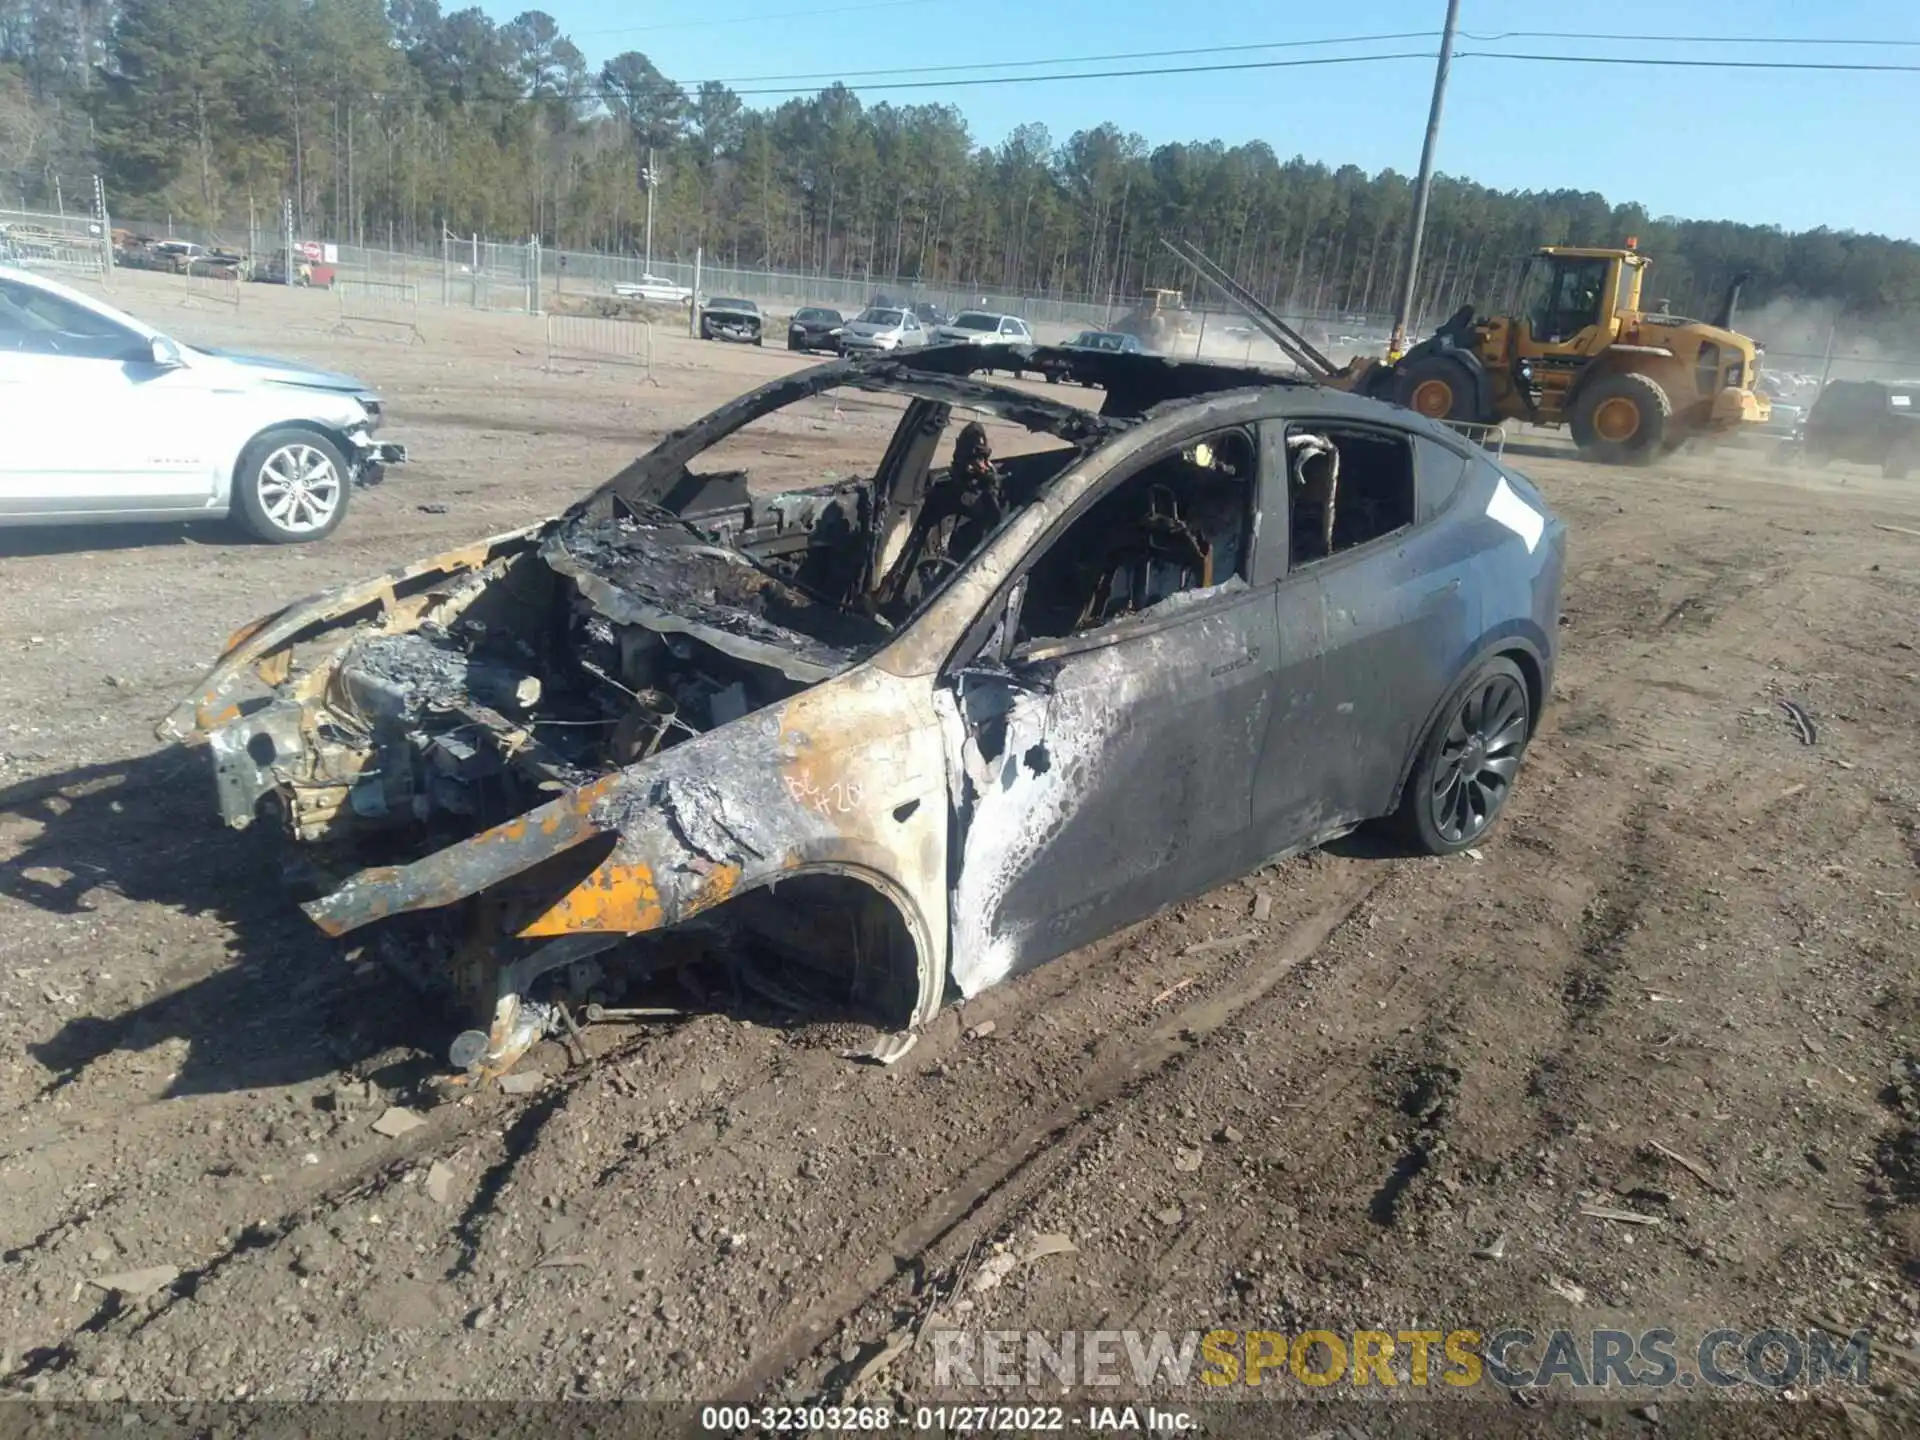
x=1385 y=1104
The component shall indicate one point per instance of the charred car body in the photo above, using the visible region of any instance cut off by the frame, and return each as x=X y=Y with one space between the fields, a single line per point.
x=911 y=733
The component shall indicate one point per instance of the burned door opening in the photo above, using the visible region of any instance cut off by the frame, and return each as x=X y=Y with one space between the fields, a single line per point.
x=1100 y=768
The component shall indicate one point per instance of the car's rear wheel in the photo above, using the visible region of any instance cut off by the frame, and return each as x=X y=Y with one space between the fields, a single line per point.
x=1468 y=761
x=292 y=486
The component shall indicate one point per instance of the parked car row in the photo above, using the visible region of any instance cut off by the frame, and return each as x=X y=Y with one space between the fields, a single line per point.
x=883 y=327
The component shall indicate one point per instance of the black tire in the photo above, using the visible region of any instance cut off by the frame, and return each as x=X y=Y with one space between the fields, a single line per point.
x=1622 y=419
x=1437 y=387
x=1468 y=761
x=283 y=475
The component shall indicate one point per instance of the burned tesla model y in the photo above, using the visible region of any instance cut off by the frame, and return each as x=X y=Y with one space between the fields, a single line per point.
x=890 y=739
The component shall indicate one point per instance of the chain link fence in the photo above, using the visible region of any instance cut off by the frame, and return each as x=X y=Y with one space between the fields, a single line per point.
x=68 y=245
x=528 y=277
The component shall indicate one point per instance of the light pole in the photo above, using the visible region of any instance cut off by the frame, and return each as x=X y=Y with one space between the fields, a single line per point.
x=1397 y=346
x=649 y=177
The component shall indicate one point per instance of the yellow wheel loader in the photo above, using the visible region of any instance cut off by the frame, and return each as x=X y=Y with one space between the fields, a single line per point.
x=1159 y=321
x=1581 y=353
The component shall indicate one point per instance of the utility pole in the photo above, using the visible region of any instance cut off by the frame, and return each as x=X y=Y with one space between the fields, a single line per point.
x=693 y=307
x=649 y=177
x=106 y=226
x=1397 y=346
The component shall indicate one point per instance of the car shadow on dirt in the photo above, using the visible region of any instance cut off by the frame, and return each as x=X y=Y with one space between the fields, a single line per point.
x=273 y=1001
x=270 y=1003
x=68 y=539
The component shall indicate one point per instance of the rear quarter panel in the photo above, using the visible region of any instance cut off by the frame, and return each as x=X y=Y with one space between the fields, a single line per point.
x=1519 y=581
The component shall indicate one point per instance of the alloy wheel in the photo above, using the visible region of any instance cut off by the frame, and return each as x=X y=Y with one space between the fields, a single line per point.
x=1478 y=758
x=299 y=488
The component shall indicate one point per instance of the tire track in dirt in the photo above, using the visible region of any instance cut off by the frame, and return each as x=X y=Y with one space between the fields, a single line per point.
x=455 y=1125
x=1012 y=1162
x=1328 y=1102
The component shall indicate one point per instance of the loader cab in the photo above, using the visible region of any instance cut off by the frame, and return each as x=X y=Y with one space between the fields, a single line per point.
x=1569 y=299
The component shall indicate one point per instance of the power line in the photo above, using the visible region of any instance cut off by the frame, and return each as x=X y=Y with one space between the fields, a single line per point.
x=1876 y=41
x=1086 y=59
x=602 y=90
x=1688 y=64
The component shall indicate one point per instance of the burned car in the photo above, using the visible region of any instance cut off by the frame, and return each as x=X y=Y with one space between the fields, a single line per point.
x=891 y=740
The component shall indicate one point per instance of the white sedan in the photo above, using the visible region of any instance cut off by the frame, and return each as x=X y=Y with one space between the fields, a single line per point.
x=105 y=418
x=655 y=289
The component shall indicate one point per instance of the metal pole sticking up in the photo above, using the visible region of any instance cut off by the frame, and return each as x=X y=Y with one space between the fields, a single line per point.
x=649 y=177
x=106 y=227
x=693 y=307
x=1396 y=347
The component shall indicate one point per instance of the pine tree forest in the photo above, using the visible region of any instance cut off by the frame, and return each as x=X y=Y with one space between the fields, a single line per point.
x=386 y=124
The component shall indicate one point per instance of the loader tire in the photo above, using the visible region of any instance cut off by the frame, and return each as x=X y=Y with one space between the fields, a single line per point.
x=1622 y=419
x=1438 y=388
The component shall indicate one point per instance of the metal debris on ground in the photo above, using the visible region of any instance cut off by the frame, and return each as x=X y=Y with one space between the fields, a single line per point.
x=136 y=1284
x=397 y=1120
x=1567 y=1290
x=1495 y=1249
x=1622 y=1217
x=982 y=1030
x=1187 y=1159
x=521 y=1082
x=887 y=1050
x=1054 y=1243
x=1171 y=991
x=992 y=1270
x=1005 y=1260
x=1692 y=1167
x=1262 y=906
x=1802 y=722
x=895 y=1345
x=1221 y=942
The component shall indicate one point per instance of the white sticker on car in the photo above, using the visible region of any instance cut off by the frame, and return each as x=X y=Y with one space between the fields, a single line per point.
x=1510 y=510
x=1899 y=399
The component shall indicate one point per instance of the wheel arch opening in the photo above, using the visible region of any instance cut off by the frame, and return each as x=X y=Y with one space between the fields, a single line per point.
x=1529 y=666
x=847 y=928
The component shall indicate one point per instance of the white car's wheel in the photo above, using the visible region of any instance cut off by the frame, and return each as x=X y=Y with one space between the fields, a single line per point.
x=292 y=486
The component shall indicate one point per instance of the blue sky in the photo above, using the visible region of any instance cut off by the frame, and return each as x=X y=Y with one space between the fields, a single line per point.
x=1797 y=149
